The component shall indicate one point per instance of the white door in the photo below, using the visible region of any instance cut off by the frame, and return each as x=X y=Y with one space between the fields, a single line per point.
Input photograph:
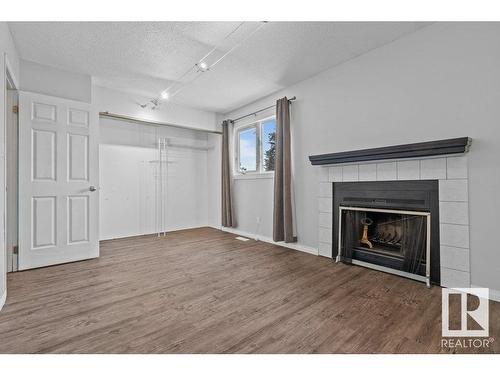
x=58 y=181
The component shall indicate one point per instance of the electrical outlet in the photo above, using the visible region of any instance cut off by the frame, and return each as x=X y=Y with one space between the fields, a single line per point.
x=257 y=219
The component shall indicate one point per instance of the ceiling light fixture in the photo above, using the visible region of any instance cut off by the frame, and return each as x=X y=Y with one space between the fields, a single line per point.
x=165 y=95
x=202 y=66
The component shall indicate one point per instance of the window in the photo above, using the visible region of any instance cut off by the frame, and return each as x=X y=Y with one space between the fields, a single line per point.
x=268 y=144
x=248 y=149
x=255 y=143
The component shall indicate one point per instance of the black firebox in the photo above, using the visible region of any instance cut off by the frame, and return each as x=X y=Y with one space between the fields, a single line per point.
x=389 y=224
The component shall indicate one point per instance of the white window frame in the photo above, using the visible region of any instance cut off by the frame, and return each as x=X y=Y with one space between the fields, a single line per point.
x=259 y=172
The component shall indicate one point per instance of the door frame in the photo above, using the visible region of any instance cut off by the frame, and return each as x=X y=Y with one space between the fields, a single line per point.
x=9 y=80
x=11 y=162
x=11 y=83
x=9 y=75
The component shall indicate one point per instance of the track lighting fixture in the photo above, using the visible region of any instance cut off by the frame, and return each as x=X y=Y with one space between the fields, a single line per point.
x=153 y=103
x=201 y=66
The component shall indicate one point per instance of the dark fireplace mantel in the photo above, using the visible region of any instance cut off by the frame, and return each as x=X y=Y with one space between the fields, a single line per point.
x=411 y=150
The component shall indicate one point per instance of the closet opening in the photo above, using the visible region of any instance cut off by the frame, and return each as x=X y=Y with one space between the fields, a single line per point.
x=153 y=177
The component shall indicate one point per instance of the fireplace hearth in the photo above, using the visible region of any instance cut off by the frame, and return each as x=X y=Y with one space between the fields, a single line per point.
x=391 y=226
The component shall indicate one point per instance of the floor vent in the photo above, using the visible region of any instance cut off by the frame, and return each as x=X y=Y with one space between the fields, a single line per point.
x=242 y=238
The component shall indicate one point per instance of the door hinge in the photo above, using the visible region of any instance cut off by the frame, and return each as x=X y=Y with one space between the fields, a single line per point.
x=15 y=249
x=15 y=109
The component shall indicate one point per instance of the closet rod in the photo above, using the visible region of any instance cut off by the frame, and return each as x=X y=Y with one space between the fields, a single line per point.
x=151 y=122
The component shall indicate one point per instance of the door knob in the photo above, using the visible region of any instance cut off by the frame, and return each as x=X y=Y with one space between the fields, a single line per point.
x=92 y=188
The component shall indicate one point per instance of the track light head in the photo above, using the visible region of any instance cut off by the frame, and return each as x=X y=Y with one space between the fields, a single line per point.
x=202 y=66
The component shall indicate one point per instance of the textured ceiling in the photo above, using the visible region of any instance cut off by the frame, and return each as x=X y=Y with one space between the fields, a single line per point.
x=146 y=57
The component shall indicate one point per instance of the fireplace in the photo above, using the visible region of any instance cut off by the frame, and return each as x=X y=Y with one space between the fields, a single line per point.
x=392 y=226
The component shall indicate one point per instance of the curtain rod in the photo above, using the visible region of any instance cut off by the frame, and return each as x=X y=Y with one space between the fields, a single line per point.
x=261 y=110
x=151 y=122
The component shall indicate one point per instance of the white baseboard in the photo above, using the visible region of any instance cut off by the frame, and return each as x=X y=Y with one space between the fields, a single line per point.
x=3 y=299
x=170 y=229
x=294 y=246
x=494 y=294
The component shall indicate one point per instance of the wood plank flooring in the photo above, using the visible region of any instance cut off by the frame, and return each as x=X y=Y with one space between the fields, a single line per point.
x=202 y=291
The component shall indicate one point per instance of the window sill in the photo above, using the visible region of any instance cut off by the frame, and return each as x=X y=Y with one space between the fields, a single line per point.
x=253 y=176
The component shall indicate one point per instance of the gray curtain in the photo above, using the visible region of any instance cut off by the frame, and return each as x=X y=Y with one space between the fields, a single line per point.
x=227 y=202
x=283 y=210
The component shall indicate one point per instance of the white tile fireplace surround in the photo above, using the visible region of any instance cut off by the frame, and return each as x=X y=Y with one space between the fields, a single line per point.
x=452 y=173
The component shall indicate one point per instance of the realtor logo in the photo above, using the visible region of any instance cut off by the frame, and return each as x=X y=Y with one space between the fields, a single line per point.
x=473 y=322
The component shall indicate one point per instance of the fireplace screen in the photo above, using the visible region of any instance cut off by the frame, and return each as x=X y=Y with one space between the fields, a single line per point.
x=391 y=239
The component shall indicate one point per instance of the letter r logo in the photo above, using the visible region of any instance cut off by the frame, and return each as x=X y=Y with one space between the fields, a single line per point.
x=480 y=314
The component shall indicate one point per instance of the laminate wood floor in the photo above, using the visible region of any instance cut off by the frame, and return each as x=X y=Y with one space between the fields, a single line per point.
x=203 y=291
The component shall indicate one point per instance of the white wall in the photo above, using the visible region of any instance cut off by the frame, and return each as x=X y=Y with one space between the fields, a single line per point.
x=112 y=101
x=7 y=53
x=48 y=80
x=51 y=81
x=129 y=190
x=440 y=82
